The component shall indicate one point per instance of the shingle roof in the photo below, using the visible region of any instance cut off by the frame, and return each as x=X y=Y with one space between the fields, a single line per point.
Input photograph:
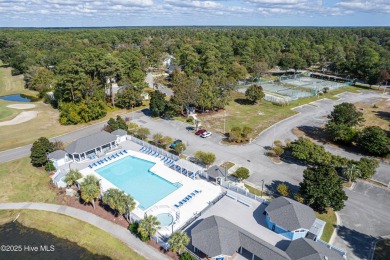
x=56 y=155
x=216 y=236
x=306 y=249
x=90 y=142
x=290 y=214
x=216 y=171
x=119 y=132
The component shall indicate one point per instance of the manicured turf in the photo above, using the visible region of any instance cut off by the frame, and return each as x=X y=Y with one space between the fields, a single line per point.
x=5 y=112
x=13 y=84
x=257 y=116
x=85 y=235
x=20 y=182
x=382 y=250
x=331 y=222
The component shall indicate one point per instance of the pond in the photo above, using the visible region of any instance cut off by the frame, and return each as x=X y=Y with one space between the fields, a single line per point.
x=28 y=243
x=17 y=98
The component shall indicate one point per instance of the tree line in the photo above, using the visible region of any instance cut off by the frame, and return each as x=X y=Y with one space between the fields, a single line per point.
x=79 y=65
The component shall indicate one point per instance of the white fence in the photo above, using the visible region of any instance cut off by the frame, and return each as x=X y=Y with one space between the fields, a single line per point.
x=153 y=148
x=241 y=191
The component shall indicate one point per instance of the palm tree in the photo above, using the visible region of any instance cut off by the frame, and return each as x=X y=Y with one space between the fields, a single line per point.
x=72 y=177
x=351 y=172
x=148 y=226
x=89 y=192
x=119 y=201
x=130 y=206
x=178 y=241
x=90 y=189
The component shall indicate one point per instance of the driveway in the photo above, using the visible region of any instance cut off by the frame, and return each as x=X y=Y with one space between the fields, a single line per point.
x=366 y=216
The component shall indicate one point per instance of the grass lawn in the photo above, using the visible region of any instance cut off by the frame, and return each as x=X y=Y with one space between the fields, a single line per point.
x=382 y=250
x=258 y=116
x=375 y=113
x=20 y=181
x=85 y=235
x=13 y=84
x=5 y=112
x=227 y=165
x=331 y=222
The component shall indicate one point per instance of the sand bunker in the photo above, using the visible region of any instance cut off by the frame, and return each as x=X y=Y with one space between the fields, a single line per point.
x=21 y=106
x=21 y=118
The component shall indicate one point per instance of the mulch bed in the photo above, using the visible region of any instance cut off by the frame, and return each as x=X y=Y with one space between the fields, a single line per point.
x=103 y=212
x=99 y=210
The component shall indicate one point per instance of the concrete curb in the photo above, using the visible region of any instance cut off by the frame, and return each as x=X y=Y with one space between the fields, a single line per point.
x=373 y=246
x=334 y=234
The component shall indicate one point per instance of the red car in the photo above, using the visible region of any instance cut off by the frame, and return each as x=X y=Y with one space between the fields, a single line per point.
x=200 y=131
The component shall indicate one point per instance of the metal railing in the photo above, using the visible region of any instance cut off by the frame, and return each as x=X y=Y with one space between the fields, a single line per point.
x=336 y=249
x=153 y=148
x=241 y=191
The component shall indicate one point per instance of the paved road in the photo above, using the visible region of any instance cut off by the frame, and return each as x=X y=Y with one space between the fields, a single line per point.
x=251 y=155
x=115 y=230
x=365 y=218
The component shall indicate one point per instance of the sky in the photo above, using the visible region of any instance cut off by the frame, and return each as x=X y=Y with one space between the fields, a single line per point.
x=100 y=13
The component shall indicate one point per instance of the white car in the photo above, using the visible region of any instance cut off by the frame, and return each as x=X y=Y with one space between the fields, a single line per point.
x=206 y=134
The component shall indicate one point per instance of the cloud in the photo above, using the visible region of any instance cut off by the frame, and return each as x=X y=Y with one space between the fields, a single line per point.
x=372 y=6
x=182 y=10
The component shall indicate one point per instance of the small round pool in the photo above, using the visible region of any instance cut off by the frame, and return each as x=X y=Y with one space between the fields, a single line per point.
x=165 y=219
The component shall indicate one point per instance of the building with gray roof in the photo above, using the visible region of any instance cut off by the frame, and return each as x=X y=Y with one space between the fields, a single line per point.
x=307 y=249
x=215 y=172
x=218 y=238
x=289 y=218
x=91 y=145
x=58 y=158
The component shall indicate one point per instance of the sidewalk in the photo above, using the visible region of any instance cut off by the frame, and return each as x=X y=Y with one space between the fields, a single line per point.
x=116 y=231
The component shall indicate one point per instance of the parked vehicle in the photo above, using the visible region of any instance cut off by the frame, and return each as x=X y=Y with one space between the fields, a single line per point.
x=206 y=134
x=200 y=131
x=176 y=142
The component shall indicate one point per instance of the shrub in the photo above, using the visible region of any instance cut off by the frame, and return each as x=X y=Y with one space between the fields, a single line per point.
x=271 y=153
x=190 y=120
x=278 y=143
x=298 y=197
x=187 y=256
x=49 y=167
x=133 y=227
x=278 y=150
x=241 y=173
x=283 y=189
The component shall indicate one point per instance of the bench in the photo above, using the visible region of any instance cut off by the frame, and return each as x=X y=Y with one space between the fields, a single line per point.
x=245 y=202
x=231 y=196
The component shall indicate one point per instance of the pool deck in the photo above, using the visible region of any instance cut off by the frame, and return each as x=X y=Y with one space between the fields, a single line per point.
x=207 y=191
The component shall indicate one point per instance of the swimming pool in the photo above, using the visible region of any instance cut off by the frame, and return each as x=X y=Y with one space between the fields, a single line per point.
x=132 y=175
x=165 y=219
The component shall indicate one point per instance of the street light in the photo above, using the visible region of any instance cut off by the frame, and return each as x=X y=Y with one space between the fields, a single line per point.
x=224 y=123
x=262 y=187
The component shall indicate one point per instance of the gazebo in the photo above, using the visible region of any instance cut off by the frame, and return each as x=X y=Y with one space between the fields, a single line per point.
x=91 y=146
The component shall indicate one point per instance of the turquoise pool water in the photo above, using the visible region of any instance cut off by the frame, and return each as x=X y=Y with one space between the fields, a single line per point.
x=132 y=175
x=165 y=219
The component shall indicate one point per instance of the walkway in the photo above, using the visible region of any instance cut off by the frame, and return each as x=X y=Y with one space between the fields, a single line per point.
x=114 y=230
